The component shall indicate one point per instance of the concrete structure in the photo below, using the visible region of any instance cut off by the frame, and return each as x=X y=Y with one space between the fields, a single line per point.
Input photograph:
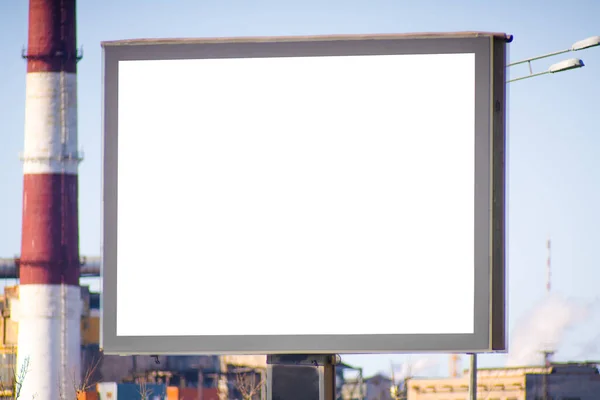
x=559 y=381
x=48 y=310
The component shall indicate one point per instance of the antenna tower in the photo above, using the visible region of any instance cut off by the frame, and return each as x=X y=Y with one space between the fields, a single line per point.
x=549 y=267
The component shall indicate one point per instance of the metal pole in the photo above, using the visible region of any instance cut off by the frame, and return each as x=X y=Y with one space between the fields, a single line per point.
x=269 y=383
x=329 y=389
x=473 y=377
x=360 y=384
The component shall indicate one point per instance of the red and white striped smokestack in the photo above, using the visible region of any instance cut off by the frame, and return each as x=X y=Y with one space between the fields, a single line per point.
x=49 y=307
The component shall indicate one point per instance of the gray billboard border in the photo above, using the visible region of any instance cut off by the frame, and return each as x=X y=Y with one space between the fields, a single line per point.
x=490 y=147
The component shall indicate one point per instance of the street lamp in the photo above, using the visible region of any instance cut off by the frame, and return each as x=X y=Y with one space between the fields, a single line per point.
x=565 y=65
x=580 y=45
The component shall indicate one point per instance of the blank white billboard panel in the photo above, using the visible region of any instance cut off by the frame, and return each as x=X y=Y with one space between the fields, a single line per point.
x=274 y=204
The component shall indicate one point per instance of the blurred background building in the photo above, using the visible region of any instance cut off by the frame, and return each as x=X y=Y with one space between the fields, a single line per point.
x=109 y=377
x=194 y=377
x=556 y=381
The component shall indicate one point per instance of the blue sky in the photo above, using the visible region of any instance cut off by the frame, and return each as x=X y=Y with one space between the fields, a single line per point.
x=552 y=122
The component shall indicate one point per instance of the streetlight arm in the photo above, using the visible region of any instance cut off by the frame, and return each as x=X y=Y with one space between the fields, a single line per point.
x=528 y=76
x=592 y=41
x=539 y=57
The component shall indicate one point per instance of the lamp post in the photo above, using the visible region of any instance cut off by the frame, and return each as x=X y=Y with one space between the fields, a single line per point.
x=571 y=63
x=565 y=65
x=580 y=45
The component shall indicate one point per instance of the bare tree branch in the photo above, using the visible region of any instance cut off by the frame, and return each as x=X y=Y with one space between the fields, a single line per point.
x=16 y=382
x=247 y=386
x=86 y=383
x=144 y=391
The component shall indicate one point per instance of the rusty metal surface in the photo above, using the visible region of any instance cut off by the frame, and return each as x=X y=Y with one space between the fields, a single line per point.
x=254 y=39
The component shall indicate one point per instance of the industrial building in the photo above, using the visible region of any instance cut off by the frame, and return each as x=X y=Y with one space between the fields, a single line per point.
x=50 y=324
x=376 y=387
x=171 y=377
x=198 y=377
x=556 y=381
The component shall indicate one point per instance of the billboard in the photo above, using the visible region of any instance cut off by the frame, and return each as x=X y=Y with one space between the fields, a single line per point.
x=323 y=194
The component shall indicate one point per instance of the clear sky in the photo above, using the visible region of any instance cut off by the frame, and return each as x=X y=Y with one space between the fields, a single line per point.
x=553 y=131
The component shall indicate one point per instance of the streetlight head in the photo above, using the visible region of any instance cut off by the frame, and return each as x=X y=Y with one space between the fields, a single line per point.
x=586 y=43
x=566 y=65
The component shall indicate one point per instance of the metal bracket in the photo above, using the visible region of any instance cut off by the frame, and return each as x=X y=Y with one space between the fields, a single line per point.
x=74 y=157
x=327 y=385
x=59 y=54
x=314 y=360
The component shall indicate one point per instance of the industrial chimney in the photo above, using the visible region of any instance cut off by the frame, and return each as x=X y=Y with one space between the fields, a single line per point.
x=49 y=306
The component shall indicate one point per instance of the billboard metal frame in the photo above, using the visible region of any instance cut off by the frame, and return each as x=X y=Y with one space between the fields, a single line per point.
x=490 y=51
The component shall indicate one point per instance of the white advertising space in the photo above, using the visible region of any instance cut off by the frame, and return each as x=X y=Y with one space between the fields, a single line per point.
x=313 y=195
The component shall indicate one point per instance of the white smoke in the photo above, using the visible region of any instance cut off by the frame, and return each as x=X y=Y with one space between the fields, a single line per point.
x=412 y=368
x=590 y=346
x=543 y=329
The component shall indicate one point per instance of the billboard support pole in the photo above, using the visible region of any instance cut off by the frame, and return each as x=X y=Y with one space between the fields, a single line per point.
x=328 y=389
x=325 y=363
x=473 y=377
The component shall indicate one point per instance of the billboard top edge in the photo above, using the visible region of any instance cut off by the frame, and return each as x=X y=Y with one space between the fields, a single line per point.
x=255 y=39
